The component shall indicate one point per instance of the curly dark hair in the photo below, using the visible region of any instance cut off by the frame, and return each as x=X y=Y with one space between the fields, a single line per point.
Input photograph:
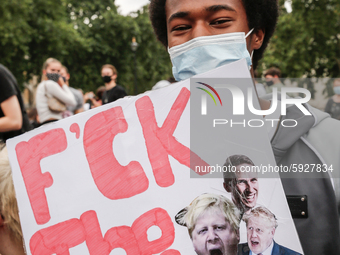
x=261 y=14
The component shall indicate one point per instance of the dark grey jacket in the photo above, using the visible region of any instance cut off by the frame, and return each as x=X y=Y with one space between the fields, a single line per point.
x=312 y=141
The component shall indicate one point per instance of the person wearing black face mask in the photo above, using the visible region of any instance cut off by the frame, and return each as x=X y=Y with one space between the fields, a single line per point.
x=273 y=76
x=113 y=90
x=52 y=86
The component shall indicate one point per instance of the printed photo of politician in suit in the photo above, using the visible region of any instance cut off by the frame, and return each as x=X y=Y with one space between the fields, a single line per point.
x=261 y=225
x=243 y=185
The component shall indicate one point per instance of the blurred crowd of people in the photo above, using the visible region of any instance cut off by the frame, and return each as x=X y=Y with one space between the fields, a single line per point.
x=55 y=98
x=56 y=84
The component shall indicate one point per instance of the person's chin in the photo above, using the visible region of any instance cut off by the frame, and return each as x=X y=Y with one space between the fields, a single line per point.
x=254 y=246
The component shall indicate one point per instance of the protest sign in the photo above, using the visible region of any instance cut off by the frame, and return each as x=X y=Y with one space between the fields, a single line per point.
x=112 y=179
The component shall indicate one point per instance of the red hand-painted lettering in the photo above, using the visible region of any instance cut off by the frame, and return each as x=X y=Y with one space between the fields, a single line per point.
x=171 y=252
x=122 y=237
x=58 y=239
x=93 y=237
x=29 y=155
x=112 y=179
x=156 y=217
x=161 y=143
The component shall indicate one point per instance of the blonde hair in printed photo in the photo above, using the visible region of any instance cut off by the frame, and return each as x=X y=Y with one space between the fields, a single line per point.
x=8 y=202
x=209 y=202
x=261 y=212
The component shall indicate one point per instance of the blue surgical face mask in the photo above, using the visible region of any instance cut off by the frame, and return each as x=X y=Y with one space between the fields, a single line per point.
x=337 y=90
x=205 y=53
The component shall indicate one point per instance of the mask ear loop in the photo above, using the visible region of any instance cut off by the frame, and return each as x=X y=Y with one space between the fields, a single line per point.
x=251 y=30
x=251 y=55
x=251 y=58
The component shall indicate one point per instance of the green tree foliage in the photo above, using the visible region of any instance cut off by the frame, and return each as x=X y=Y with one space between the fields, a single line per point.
x=15 y=33
x=110 y=35
x=83 y=35
x=53 y=35
x=31 y=31
x=307 y=40
x=153 y=60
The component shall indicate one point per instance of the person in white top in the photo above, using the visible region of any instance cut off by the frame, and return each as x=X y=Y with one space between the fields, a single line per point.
x=52 y=84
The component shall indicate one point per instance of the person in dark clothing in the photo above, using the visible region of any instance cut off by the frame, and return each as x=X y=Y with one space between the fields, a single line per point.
x=13 y=116
x=113 y=90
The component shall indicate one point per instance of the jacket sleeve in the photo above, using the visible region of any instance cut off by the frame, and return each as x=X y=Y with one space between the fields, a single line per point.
x=64 y=94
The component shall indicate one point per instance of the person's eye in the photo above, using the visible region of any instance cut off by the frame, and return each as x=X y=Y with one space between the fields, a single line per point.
x=254 y=180
x=220 y=227
x=202 y=231
x=180 y=28
x=220 y=21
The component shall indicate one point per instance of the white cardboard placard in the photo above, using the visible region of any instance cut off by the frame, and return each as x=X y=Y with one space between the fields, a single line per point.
x=86 y=185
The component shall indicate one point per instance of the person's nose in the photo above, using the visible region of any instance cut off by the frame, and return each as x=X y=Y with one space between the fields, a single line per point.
x=247 y=187
x=251 y=188
x=211 y=235
x=200 y=28
x=253 y=233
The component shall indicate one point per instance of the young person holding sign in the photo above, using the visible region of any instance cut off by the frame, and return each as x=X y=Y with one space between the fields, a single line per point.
x=200 y=36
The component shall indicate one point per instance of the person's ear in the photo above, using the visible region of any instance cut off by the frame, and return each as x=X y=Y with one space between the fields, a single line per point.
x=114 y=76
x=257 y=39
x=68 y=76
x=44 y=71
x=273 y=232
x=227 y=186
